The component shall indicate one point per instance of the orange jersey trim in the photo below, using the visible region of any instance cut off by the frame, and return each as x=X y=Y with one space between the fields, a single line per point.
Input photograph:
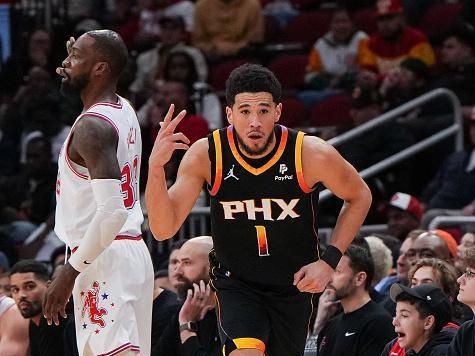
x=265 y=167
x=298 y=163
x=249 y=343
x=219 y=163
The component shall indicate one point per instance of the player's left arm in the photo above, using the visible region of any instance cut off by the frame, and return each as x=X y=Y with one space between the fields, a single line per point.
x=323 y=164
x=93 y=145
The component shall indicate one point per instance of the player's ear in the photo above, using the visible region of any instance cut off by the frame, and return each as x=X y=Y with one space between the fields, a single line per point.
x=229 y=115
x=100 y=68
x=278 y=112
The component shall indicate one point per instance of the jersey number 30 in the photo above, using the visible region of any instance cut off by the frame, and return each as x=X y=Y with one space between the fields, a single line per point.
x=129 y=183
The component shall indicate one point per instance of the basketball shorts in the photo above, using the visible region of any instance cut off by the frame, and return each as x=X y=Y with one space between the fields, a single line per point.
x=113 y=301
x=272 y=319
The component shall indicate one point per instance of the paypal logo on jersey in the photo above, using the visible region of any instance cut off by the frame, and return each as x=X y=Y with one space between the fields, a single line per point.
x=282 y=169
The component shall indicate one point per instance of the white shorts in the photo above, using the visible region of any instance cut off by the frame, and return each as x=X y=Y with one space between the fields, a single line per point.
x=113 y=301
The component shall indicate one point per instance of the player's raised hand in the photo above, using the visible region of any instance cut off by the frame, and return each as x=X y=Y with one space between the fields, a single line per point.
x=69 y=45
x=314 y=277
x=69 y=49
x=168 y=140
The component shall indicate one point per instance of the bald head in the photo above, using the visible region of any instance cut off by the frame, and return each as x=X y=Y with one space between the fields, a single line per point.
x=193 y=265
x=200 y=244
x=429 y=245
x=109 y=47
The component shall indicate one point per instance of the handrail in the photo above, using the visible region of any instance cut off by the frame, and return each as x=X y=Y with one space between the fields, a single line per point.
x=455 y=129
x=396 y=112
x=442 y=220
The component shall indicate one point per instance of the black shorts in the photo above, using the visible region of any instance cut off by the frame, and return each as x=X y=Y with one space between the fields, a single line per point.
x=272 y=319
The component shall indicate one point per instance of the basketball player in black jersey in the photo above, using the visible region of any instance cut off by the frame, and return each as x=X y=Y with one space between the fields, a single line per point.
x=261 y=178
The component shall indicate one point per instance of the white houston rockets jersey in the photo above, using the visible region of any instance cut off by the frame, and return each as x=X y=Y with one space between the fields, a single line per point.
x=75 y=203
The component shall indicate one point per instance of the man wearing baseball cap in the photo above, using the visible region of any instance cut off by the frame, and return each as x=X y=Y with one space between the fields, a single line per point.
x=404 y=214
x=393 y=41
x=421 y=314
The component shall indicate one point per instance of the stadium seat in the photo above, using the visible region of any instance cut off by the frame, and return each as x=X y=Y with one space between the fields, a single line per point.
x=294 y=112
x=365 y=20
x=438 y=19
x=307 y=27
x=220 y=72
x=332 y=111
x=271 y=29
x=290 y=70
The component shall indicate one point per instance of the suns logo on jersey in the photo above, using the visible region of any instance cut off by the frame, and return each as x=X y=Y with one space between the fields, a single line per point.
x=269 y=208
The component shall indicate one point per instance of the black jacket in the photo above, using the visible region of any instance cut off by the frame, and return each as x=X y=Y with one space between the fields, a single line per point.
x=464 y=342
x=436 y=346
x=207 y=343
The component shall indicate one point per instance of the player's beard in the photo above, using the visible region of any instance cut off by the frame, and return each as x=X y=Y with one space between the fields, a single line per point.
x=255 y=152
x=74 y=86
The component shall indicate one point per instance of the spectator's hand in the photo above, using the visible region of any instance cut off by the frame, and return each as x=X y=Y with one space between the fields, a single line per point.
x=58 y=293
x=198 y=302
x=367 y=78
x=390 y=81
x=314 y=277
x=327 y=308
x=468 y=111
x=167 y=140
x=469 y=210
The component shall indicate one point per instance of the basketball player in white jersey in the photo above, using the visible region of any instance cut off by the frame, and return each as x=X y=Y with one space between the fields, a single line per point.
x=13 y=329
x=98 y=213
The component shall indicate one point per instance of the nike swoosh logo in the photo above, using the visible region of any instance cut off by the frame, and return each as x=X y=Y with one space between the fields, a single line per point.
x=86 y=263
x=349 y=334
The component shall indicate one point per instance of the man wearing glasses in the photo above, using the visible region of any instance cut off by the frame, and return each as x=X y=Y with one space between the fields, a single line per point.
x=464 y=341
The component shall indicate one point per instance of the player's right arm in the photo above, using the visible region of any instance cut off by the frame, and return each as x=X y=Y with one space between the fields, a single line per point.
x=13 y=333
x=168 y=208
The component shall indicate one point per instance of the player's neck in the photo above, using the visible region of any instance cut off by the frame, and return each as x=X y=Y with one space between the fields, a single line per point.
x=93 y=95
x=355 y=301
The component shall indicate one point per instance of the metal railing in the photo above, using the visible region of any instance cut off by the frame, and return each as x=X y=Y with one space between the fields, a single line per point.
x=440 y=221
x=456 y=129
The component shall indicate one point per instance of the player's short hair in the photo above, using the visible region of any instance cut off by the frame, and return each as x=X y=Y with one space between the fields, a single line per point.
x=40 y=270
x=361 y=261
x=252 y=78
x=109 y=47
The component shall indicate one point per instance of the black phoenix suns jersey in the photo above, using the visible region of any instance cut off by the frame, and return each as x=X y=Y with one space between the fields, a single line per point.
x=263 y=218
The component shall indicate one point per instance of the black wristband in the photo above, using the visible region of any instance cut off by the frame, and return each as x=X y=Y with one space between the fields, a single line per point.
x=332 y=256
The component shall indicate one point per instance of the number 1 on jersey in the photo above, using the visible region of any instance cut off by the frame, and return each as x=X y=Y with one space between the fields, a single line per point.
x=262 y=240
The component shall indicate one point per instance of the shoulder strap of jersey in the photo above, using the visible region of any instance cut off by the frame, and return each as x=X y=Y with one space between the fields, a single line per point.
x=218 y=162
x=298 y=163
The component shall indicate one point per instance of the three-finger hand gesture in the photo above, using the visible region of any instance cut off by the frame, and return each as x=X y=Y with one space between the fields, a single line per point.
x=69 y=49
x=168 y=140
